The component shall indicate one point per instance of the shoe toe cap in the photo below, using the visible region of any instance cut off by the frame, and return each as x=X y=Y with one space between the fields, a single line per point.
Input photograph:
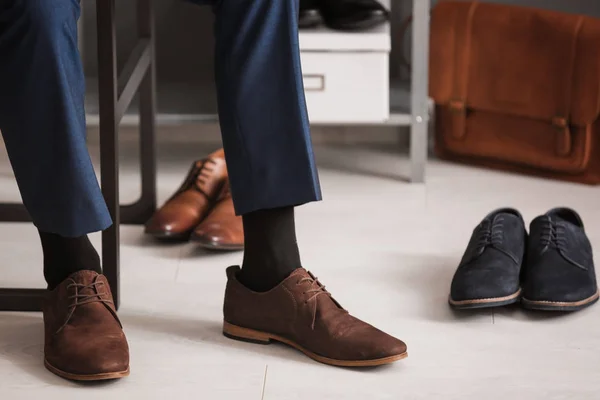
x=546 y=287
x=96 y=356
x=218 y=235
x=483 y=283
x=369 y=343
x=391 y=347
x=166 y=225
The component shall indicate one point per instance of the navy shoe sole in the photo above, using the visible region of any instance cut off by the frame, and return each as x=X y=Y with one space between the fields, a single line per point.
x=558 y=305
x=485 y=303
x=309 y=19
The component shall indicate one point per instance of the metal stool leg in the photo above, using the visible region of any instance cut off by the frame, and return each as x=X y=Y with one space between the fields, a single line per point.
x=109 y=146
x=116 y=93
x=148 y=113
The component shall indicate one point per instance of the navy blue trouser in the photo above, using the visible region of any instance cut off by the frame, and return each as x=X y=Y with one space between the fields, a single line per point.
x=261 y=107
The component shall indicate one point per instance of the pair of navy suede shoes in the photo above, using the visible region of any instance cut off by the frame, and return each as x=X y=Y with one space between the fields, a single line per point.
x=551 y=268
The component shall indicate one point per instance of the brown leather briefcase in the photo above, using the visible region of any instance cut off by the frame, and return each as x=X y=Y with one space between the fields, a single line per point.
x=517 y=88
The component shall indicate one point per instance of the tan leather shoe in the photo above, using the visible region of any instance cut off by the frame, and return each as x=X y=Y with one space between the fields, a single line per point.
x=178 y=217
x=84 y=340
x=302 y=314
x=222 y=229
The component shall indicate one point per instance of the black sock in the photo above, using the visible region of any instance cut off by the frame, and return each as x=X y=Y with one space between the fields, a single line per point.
x=64 y=256
x=270 y=248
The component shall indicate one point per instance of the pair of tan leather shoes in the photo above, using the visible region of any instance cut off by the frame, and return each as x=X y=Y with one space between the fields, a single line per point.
x=202 y=209
x=84 y=339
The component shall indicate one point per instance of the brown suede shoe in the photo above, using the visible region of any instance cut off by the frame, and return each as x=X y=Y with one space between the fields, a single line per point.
x=301 y=313
x=222 y=229
x=178 y=217
x=84 y=340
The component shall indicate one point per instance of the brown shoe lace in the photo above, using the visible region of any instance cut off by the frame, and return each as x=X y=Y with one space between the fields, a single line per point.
x=318 y=291
x=81 y=299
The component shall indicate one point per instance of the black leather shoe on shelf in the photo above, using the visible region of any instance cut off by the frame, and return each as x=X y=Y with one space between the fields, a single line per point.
x=489 y=272
x=559 y=273
x=309 y=16
x=353 y=15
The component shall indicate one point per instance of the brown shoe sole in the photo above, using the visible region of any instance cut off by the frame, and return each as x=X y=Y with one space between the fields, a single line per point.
x=484 y=303
x=250 y=335
x=215 y=246
x=89 y=378
x=560 y=306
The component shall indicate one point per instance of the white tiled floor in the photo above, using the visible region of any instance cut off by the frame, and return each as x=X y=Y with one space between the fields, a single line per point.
x=386 y=249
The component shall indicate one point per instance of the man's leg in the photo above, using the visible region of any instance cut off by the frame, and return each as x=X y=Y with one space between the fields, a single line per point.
x=271 y=166
x=266 y=132
x=42 y=120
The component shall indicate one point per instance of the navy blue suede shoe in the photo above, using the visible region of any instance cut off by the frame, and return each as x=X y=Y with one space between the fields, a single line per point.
x=559 y=272
x=489 y=272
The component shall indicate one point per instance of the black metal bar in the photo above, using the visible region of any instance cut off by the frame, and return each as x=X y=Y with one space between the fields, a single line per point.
x=21 y=299
x=109 y=146
x=13 y=212
x=131 y=214
x=136 y=213
x=132 y=75
x=147 y=91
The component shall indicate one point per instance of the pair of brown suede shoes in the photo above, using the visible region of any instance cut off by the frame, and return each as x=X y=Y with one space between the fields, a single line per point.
x=84 y=339
x=202 y=209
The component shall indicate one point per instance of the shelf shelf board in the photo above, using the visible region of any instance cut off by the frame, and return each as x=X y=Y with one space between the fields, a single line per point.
x=181 y=103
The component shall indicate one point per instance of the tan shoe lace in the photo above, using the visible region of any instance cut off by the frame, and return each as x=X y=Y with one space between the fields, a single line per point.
x=316 y=292
x=199 y=173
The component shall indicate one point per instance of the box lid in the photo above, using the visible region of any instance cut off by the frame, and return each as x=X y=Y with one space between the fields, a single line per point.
x=324 y=39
